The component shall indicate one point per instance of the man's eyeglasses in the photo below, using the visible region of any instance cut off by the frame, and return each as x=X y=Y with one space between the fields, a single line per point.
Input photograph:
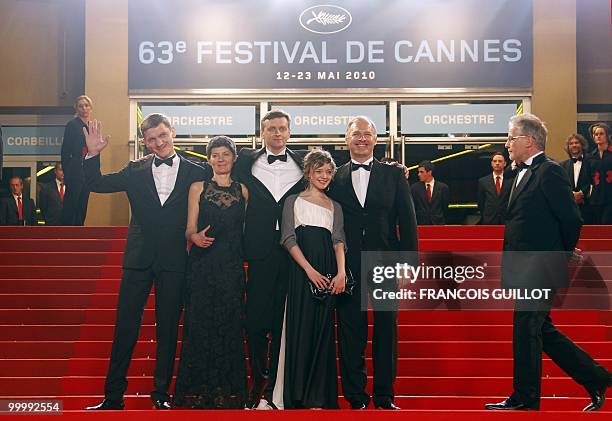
x=511 y=139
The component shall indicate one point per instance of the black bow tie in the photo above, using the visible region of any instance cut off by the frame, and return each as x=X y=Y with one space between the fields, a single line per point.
x=522 y=166
x=355 y=167
x=272 y=158
x=168 y=161
x=574 y=160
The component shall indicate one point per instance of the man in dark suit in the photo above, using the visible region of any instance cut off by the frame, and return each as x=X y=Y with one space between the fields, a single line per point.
x=51 y=197
x=375 y=198
x=578 y=169
x=431 y=197
x=73 y=153
x=17 y=209
x=542 y=228
x=157 y=187
x=493 y=192
x=271 y=173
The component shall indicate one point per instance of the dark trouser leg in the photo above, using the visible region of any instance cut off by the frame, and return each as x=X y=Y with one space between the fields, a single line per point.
x=133 y=294
x=352 y=341
x=81 y=209
x=168 y=304
x=71 y=202
x=384 y=354
x=266 y=293
x=572 y=359
x=527 y=345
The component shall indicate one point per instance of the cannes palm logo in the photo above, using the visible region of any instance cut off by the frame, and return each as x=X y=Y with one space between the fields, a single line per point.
x=325 y=19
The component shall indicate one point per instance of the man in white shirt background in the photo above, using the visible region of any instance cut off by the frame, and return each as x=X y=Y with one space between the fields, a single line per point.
x=431 y=197
x=494 y=191
x=17 y=209
x=51 y=198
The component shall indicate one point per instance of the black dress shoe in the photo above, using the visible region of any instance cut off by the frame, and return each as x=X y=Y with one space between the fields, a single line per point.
x=386 y=405
x=359 y=406
x=107 y=404
x=509 y=405
x=161 y=404
x=598 y=398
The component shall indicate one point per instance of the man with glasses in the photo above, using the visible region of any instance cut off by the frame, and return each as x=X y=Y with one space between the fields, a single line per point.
x=542 y=228
x=375 y=199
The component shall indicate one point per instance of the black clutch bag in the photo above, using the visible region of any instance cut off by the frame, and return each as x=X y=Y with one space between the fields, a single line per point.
x=323 y=293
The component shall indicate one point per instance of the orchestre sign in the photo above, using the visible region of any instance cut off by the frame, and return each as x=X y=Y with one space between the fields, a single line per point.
x=208 y=120
x=331 y=119
x=455 y=118
x=32 y=140
x=257 y=44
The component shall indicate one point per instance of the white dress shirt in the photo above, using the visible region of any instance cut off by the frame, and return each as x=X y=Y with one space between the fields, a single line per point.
x=577 y=168
x=279 y=176
x=165 y=178
x=522 y=172
x=361 y=180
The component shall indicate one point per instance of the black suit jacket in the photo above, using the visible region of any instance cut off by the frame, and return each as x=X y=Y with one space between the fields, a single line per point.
x=50 y=203
x=9 y=215
x=601 y=173
x=263 y=211
x=491 y=206
x=72 y=152
x=156 y=233
x=542 y=228
x=433 y=213
x=584 y=178
x=373 y=227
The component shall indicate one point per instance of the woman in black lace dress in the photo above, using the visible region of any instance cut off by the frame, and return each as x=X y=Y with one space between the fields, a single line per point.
x=212 y=370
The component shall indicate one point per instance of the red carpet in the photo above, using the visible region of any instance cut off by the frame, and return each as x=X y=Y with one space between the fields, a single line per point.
x=58 y=291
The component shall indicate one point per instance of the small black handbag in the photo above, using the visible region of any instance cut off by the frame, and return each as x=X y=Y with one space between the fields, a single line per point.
x=323 y=293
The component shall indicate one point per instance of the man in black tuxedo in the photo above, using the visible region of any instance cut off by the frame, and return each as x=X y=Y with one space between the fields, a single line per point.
x=17 y=209
x=542 y=228
x=157 y=187
x=375 y=198
x=494 y=191
x=51 y=197
x=431 y=197
x=271 y=173
x=578 y=169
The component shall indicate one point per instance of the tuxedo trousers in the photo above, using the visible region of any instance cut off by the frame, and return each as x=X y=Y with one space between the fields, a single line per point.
x=267 y=281
x=74 y=208
x=133 y=294
x=534 y=332
x=352 y=342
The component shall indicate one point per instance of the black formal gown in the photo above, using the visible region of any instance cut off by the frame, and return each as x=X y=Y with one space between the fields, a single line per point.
x=212 y=370
x=308 y=344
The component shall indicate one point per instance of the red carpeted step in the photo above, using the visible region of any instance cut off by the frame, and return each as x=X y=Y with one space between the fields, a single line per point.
x=455 y=367
x=492 y=318
x=59 y=272
x=440 y=403
x=52 y=258
x=418 y=386
x=59 y=286
x=406 y=349
x=61 y=232
x=406 y=332
x=61 y=245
